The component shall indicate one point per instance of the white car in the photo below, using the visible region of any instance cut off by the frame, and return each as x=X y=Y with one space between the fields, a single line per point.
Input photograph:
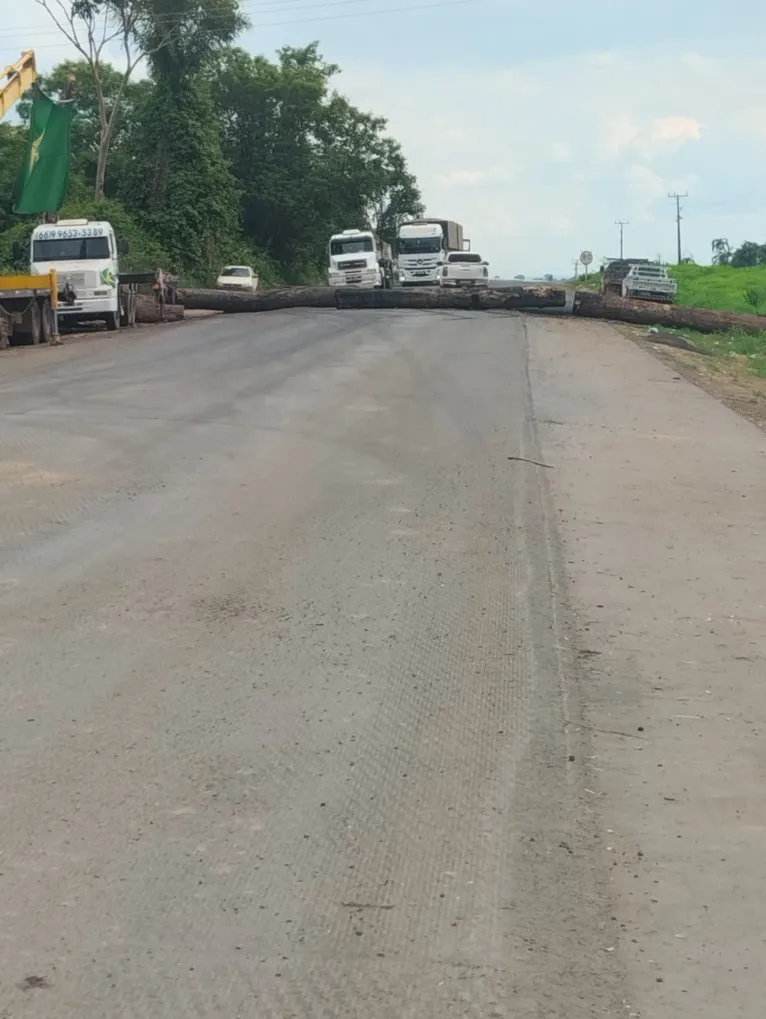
x=464 y=269
x=237 y=277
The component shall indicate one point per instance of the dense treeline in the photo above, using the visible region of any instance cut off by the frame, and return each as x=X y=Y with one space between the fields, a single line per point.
x=748 y=254
x=218 y=156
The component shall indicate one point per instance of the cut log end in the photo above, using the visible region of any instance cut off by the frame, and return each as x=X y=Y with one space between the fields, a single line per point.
x=149 y=311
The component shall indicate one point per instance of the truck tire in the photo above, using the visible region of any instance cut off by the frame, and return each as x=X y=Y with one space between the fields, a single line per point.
x=112 y=320
x=31 y=327
x=48 y=322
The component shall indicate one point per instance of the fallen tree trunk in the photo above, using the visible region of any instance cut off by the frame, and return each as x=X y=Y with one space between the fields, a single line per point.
x=649 y=313
x=149 y=311
x=509 y=298
x=230 y=302
x=437 y=297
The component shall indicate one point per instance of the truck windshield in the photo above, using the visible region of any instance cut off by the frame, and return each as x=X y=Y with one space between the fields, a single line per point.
x=418 y=245
x=466 y=257
x=70 y=249
x=235 y=270
x=351 y=245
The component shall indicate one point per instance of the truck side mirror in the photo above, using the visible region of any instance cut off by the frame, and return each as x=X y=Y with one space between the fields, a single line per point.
x=123 y=246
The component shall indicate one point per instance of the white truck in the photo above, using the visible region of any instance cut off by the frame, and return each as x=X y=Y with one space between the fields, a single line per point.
x=358 y=258
x=649 y=281
x=85 y=256
x=464 y=269
x=422 y=244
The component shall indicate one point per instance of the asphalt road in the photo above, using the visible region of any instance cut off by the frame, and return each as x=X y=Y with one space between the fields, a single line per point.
x=316 y=702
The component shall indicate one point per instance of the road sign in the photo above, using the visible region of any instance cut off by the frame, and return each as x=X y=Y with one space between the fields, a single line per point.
x=586 y=257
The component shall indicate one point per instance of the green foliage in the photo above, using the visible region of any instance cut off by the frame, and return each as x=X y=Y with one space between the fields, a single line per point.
x=219 y=156
x=308 y=163
x=86 y=124
x=720 y=287
x=12 y=147
x=178 y=182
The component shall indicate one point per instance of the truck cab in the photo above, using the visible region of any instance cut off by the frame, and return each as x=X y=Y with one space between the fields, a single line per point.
x=85 y=256
x=420 y=249
x=357 y=258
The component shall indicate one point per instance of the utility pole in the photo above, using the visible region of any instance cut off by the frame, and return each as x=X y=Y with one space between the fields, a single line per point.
x=677 y=199
x=621 y=223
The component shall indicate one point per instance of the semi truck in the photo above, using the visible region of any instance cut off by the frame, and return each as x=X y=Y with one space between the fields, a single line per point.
x=85 y=255
x=422 y=246
x=358 y=258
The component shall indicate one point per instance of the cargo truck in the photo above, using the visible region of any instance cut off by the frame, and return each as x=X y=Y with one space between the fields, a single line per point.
x=422 y=246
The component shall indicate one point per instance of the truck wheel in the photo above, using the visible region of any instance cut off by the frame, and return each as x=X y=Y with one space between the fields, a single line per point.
x=112 y=320
x=31 y=324
x=48 y=322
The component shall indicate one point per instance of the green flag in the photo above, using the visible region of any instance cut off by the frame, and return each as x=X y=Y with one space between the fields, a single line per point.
x=44 y=177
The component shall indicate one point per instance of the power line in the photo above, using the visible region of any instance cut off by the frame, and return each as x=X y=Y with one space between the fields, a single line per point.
x=622 y=223
x=270 y=7
x=677 y=199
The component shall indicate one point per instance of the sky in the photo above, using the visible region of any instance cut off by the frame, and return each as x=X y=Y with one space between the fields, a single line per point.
x=537 y=126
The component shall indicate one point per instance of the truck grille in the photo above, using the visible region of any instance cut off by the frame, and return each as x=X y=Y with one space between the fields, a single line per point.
x=79 y=280
x=357 y=264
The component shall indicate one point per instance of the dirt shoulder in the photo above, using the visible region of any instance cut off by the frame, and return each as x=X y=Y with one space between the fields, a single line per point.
x=727 y=379
x=658 y=493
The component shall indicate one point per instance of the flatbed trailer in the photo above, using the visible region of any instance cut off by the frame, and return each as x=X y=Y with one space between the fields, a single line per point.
x=29 y=308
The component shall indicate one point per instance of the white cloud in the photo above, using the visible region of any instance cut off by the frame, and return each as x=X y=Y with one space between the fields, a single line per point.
x=543 y=171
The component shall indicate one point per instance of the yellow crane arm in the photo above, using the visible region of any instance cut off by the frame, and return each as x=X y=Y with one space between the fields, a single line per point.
x=15 y=80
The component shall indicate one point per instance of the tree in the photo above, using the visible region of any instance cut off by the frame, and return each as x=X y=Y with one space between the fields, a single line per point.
x=748 y=254
x=308 y=162
x=142 y=29
x=12 y=146
x=721 y=251
x=86 y=124
x=178 y=179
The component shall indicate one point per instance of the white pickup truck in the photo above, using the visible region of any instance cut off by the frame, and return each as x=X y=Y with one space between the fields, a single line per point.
x=464 y=269
x=649 y=282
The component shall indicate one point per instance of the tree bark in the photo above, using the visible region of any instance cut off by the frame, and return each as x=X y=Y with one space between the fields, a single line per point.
x=326 y=297
x=149 y=312
x=231 y=301
x=590 y=305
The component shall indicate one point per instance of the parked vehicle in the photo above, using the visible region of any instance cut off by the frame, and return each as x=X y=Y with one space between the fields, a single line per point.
x=422 y=244
x=237 y=277
x=28 y=309
x=649 y=283
x=464 y=269
x=614 y=272
x=358 y=258
x=85 y=256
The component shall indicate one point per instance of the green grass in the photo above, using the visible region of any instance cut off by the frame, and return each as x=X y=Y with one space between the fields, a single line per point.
x=747 y=350
x=720 y=287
